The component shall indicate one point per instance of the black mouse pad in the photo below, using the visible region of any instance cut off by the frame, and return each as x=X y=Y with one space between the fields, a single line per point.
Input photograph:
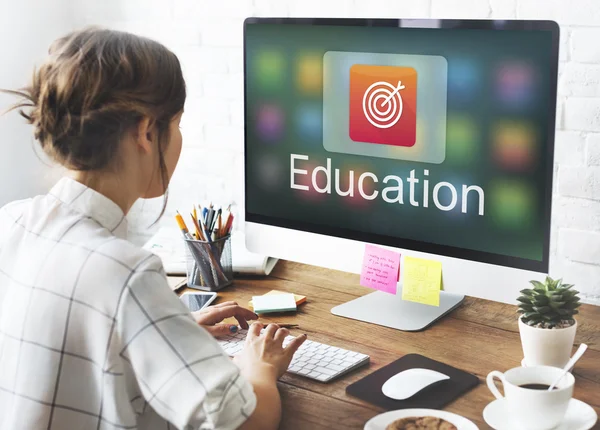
x=435 y=396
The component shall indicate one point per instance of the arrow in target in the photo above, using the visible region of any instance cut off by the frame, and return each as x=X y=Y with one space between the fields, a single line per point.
x=398 y=88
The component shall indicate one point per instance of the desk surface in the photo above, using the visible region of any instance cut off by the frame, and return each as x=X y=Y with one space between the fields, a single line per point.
x=479 y=337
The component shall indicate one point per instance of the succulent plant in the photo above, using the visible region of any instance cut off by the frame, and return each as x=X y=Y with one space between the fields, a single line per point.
x=551 y=304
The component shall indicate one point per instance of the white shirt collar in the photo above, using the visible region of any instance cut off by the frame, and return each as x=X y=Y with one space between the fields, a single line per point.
x=92 y=204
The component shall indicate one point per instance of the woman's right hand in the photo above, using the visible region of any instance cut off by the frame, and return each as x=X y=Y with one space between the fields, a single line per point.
x=265 y=352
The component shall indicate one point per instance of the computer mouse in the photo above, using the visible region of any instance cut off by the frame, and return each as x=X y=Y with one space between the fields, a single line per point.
x=409 y=382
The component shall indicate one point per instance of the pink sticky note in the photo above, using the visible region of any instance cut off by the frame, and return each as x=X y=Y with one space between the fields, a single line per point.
x=380 y=269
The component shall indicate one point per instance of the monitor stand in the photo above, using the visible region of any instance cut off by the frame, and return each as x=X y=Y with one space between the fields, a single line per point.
x=390 y=310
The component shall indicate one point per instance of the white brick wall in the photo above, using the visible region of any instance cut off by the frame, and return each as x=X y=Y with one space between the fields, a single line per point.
x=584 y=48
x=207 y=36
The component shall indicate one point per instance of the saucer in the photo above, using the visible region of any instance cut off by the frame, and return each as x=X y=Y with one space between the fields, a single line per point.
x=579 y=416
x=381 y=421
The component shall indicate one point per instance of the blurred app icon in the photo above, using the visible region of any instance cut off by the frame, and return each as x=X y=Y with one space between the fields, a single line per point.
x=515 y=84
x=464 y=80
x=514 y=145
x=270 y=122
x=309 y=122
x=310 y=73
x=463 y=140
x=270 y=70
x=270 y=171
x=512 y=204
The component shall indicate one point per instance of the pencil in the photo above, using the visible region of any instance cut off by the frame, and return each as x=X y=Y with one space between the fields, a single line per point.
x=229 y=224
x=219 y=223
x=287 y=325
x=197 y=226
x=188 y=236
x=182 y=226
x=225 y=222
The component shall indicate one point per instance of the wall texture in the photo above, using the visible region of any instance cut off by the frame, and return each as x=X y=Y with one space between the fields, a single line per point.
x=26 y=29
x=207 y=36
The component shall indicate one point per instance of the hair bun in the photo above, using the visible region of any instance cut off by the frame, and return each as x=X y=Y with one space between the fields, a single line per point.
x=93 y=87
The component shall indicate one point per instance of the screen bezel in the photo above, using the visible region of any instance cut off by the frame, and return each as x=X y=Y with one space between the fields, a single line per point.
x=427 y=247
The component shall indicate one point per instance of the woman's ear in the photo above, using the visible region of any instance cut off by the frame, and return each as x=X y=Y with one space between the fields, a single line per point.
x=145 y=135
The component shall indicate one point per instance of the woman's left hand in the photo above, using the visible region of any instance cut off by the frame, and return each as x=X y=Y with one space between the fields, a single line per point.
x=210 y=318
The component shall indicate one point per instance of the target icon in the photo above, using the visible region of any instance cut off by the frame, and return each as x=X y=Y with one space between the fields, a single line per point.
x=382 y=104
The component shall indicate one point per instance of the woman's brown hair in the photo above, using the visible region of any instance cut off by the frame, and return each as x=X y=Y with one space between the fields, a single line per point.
x=96 y=85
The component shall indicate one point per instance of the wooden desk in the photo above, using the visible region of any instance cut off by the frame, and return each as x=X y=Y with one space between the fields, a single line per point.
x=479 y=337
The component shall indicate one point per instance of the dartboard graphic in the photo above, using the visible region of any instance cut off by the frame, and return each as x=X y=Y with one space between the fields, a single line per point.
x=382 y=104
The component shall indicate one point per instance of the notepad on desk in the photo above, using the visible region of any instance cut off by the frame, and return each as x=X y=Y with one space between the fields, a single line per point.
x=271 y=303
x=297 y=297
x=169 y=246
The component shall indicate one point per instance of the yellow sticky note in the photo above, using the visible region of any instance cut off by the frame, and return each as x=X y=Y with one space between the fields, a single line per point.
x=422 y=281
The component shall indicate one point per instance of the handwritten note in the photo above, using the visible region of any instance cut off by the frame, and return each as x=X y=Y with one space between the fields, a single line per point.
x=380 y=269
x=422 y=281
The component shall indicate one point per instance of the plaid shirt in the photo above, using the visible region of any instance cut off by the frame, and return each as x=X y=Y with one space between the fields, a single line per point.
x=91 y=336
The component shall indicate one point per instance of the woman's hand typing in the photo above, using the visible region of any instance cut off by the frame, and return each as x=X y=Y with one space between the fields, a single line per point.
x=211 y=317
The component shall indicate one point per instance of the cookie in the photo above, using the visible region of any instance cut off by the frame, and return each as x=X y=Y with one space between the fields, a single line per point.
x=420 y=423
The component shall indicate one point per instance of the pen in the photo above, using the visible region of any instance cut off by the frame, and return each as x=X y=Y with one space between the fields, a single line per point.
x=209 y=217
x=205 y=230
x=219 y=223
x=213 y=221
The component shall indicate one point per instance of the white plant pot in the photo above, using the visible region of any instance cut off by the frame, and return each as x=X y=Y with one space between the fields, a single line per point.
x=547 y=347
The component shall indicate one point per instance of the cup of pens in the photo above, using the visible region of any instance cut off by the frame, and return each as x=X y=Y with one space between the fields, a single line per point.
x=208 y=250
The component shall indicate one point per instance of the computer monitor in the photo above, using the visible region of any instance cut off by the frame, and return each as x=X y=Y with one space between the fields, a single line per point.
x=434 y=138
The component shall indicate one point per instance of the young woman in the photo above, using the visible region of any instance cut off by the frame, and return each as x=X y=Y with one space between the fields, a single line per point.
x=91 y=336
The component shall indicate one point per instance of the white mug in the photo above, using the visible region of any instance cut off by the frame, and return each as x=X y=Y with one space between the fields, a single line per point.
x=532 y=409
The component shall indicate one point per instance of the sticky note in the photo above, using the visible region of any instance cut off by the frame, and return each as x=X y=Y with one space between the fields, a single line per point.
x=421 y=281
x=299 y=299
x=380 y=269
x=274 y=303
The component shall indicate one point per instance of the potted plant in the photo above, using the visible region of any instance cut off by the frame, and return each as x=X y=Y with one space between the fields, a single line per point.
x=547 y=325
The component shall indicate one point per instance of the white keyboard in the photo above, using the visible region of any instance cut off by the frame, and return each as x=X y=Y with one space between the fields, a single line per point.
x=313 y=359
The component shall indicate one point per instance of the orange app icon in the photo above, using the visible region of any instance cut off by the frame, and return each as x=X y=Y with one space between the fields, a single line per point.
x=383 y=104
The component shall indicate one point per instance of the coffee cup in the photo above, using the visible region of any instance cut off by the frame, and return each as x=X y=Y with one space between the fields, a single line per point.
x=529 y=404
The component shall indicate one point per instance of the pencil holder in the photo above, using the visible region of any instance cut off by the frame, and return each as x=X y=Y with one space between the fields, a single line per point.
x=209 y=265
